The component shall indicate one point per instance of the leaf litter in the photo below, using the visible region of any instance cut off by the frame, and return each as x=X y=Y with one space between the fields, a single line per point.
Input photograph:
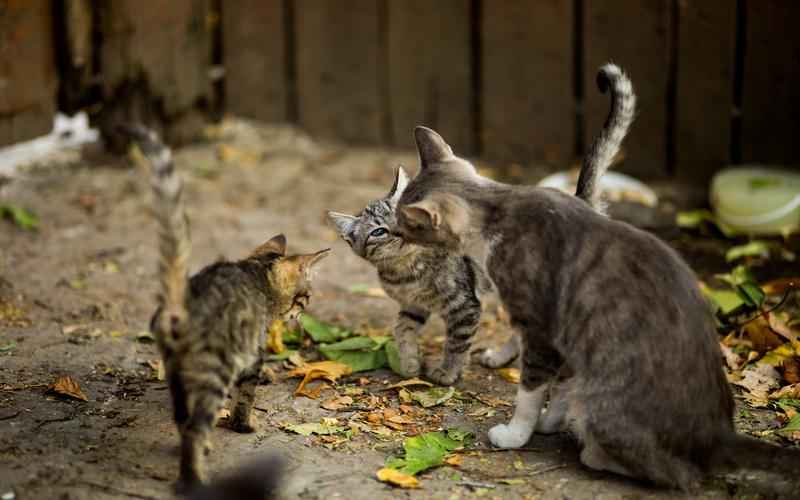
x=67 y=387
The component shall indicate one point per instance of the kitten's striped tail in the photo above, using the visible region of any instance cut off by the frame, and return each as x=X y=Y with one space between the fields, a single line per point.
x=623 y=108
x=173 y=233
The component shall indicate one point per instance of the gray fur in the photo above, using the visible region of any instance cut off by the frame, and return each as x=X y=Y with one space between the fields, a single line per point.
x=423 y=280
x=611 y=309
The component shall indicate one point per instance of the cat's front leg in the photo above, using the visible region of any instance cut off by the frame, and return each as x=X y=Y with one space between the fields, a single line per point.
x=244 y=398
x=406 y=331
x=527 y=409
x=462 y=321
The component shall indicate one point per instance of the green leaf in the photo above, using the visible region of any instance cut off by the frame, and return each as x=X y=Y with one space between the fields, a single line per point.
x=8 y=347
x=22 y=218
x=282 y=355
x=694 y=218
x=393 y=357
x=358 y=288
x=793 y=425
x=322 y=332
x=751 y=294
x=293 y=337
x=428 y=450
x=726 y=301
x=319 y=428
x=359 y=353
x=433 y=396
x=756 y=248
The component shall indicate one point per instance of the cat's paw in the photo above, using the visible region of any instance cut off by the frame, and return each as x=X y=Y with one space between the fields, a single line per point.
x=442 y=376
x=410 y=367
x=242 y=425
x=495 y=358
x=508 y=436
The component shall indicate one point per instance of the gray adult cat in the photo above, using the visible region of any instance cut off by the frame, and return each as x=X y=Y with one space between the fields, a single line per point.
x=427 y=280
x=610 y=308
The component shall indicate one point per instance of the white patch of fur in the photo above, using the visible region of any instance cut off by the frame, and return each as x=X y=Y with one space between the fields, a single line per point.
x=526 y=413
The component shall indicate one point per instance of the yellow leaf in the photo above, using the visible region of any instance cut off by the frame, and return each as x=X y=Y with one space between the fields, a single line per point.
x=788 y=392
x=410 y=382
x=65 y=386
x=337 y=403
x=275 y=336
x=328 y=370
x=397 y=478
x=454 y=460
x=509 y=374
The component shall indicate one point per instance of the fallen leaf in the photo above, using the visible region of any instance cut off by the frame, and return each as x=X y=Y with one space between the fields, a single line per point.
x=429 y=450
x=511 y=482
x=792 y=426
x=328 y=370
x=24 y=219
x=397 y=478
x=780 y=286
x=755 y=248
x=393 y=357
x=322 y=332
x=369 y=291
x=454 y=460
x=322 y=428
x=11 y=315
x=492 y=401
x=781 y=326
x=8 y=347
x=286 y=354
x=433 y=396
x=66 y=386
x=144 y=337
x=733 y=360
x=509 y=374
x=296 y=359
x=762 y=336
x=359 y=353
x=780 y=355
x=788 y=392
x=409 y=383
x=337 y=403
x=275 y=336
x=726 y=301
x=758 y=380
x=404 y=396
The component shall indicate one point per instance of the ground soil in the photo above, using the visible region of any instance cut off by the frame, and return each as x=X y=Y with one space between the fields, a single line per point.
x=84 y=287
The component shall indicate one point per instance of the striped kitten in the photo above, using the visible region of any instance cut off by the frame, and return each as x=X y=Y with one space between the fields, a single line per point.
x=423 y=280
x=211 y=328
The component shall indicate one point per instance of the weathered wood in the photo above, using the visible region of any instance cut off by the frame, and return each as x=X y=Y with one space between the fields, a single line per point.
x=430 y=75
x=704 y=97
x=254 y=54
x=771 y=87
x=527 y=102
x=155 y=63
x=635 y=35
x=340 y=74
x=28 y=77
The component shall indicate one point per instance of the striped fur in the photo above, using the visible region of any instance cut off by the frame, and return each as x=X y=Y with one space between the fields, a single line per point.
x=422 y=280
x=211 y=328
x=607 y=144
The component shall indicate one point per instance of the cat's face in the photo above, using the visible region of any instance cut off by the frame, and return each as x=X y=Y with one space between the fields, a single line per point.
x=372 y=234
x=290 y=276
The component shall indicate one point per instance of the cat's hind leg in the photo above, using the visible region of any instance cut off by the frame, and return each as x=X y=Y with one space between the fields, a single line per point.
x=406 y=332
x=527 y=410
x=554 y=418
x=244 y=390
x=195 y=433
x=495 y=358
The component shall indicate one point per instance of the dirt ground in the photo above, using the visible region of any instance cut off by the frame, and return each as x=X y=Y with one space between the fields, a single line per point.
x=84 y=288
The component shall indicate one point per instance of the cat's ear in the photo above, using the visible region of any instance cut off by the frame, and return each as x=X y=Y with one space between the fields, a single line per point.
x=423 y=214
x=307 y=261
x=276 y=245
x=343 y=222
x=437 y=211
x=400 y=183
x=430 y=146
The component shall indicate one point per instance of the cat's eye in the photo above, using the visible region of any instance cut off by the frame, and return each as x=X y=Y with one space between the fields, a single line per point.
x=378 y=232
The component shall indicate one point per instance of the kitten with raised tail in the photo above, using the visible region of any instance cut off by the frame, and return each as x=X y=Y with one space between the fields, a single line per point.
x=423 y=280
x=211 y=328
x=632 y=361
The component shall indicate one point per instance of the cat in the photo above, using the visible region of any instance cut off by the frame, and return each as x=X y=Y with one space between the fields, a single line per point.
x=258 y=480
x=615 y=331
x=423 y=280
x=210 y=329
x=429 y=279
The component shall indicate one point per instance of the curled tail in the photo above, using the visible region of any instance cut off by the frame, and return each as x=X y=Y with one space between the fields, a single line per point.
x=736 y=451
x=605 y=147
x=173 y=233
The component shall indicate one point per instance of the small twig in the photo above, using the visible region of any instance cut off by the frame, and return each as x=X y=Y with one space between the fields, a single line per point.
x=488 y=449
x=546 y=469
x=265 y=410
x=9 y=417
x=112 y=490
x=476 y=484
x=764 y=314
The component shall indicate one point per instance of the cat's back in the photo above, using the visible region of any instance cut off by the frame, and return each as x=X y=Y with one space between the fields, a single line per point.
x=220 y=286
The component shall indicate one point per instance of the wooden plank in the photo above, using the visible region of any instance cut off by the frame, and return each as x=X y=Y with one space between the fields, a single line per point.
x=635 y=35
x=430 y=75
x=28 y=76
x=704 y=95
x=528 y=107
x=339 y=72
x=254 y=53
x=771 y=100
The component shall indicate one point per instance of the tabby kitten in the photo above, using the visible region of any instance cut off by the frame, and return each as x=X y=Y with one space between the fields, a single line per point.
x=211 y=328
x=423 y=280
x=610 y=308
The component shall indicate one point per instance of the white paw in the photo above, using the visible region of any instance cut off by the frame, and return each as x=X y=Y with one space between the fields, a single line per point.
x=493 y=358
x=508 y=436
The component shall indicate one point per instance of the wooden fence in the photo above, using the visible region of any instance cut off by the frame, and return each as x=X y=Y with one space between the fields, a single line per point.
x=509 y=80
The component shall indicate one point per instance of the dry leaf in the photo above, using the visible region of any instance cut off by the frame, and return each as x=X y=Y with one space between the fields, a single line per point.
x=791 y=370
x=780 y=286
x=733 y=360
x=337 y=403
x=296 y=359
x=509 y=374
x=397 y=478
x=788 y=392
x=758 y=380
x=400 y=419
x=454 y=460
x=781 y=327
x=328 y=370
x=404 y=396
x=409 y=382
x=761 y=335
x=275 y=336
x=492 y=401
x=65 y=386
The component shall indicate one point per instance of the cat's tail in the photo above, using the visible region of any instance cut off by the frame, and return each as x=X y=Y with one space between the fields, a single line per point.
x=258 y=480
x=736 y=451
x=173 y=235
x=606 y=146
